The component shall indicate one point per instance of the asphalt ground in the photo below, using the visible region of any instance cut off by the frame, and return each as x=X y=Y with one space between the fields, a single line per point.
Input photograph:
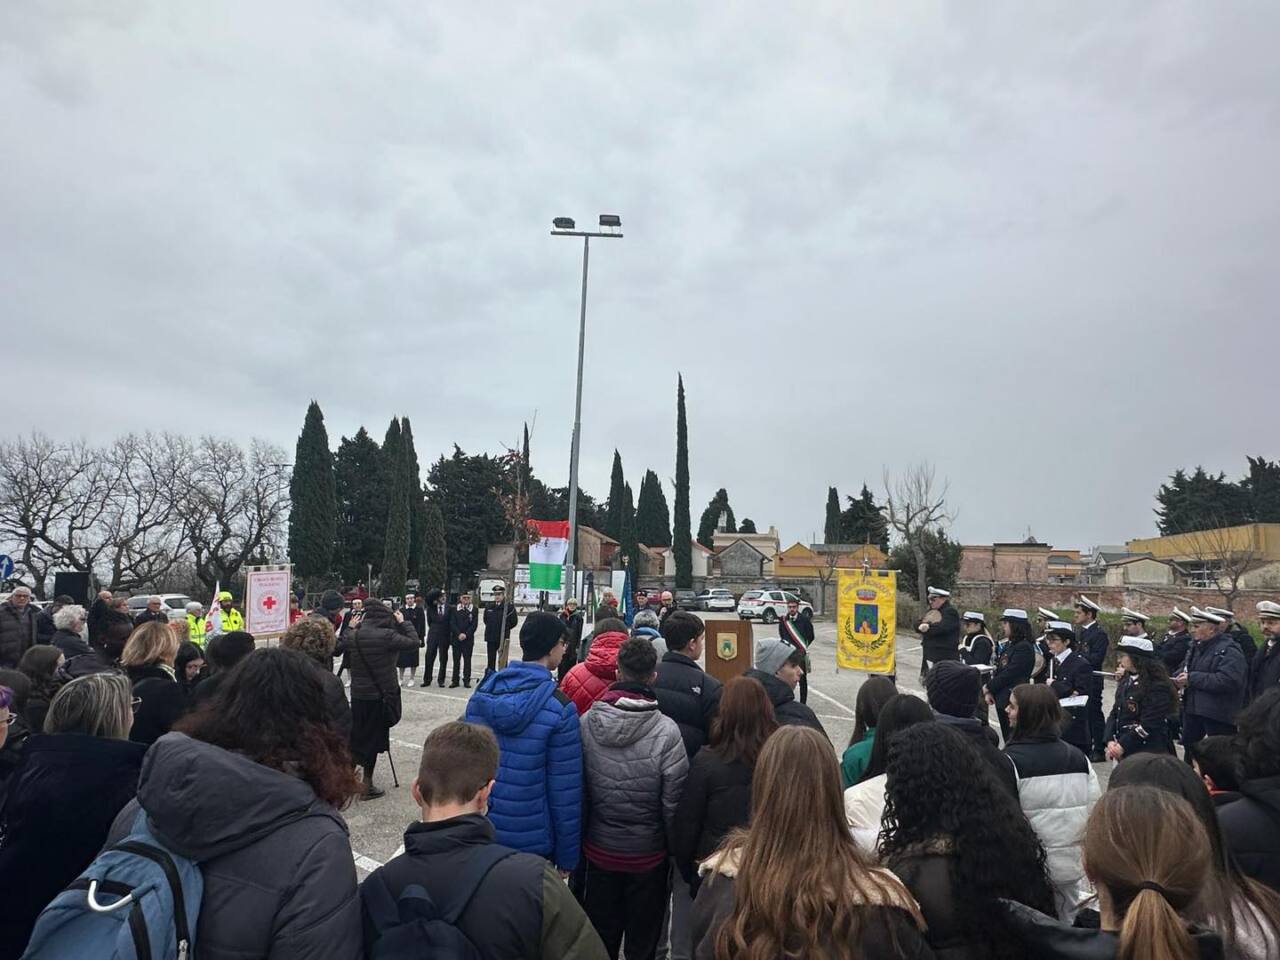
x=377 y=826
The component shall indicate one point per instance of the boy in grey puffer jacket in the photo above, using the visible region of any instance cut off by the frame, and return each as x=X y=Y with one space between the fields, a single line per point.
x=636 y=765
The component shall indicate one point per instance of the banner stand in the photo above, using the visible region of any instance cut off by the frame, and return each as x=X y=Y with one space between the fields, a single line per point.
x=866 y=620
x=267 y=589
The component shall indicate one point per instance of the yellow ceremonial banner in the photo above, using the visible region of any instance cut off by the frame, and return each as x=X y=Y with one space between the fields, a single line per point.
x=866 y=625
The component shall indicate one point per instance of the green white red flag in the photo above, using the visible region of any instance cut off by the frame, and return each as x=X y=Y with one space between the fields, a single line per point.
x=547 y=556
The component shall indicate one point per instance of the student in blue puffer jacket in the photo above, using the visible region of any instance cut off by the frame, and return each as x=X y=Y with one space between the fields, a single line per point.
x=536 y=803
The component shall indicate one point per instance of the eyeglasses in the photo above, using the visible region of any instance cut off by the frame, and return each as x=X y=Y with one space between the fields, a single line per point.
x=135 y=703
x=9 y=719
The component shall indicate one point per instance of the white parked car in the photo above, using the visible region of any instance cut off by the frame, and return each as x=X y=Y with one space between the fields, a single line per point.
x=717 y=599
x=768 y=605
x=173 y=604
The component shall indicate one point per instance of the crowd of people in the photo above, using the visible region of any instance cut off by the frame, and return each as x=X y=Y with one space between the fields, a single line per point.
x=603 y=796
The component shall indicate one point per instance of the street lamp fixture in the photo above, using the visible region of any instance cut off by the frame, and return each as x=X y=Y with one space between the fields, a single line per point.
x=565 y=227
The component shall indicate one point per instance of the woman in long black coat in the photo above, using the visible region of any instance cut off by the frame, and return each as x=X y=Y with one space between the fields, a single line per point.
x=149 y=659
x=408 y=660
x=372 y=650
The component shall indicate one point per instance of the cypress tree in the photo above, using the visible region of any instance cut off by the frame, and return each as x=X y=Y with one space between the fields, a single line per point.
x=831 y=529
x=747 y=525
x=313 y=514
x=613 y=518
x=362 y=519
x=653 y=520
x=432 y=568
x=416 y=502
x=710 y=519
x=627 y=539
x=395 y=556
x=682 y=535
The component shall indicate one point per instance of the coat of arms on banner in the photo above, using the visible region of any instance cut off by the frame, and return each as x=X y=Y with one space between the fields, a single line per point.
x=865 y=627
x=727 y=646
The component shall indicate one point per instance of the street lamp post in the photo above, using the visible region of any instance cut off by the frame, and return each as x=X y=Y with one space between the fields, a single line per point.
x=610 y=226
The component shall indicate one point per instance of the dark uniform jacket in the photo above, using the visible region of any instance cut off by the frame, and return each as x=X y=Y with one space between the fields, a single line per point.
x=438 y=629
x=1216 y=676
x=1264 y=672
x=1092 y=643
x=942 y=638
x=977 y=649
x=1243 y=639
x=1013 y=666
x=418 y=617
x=1172 y=650
x=463 y=621
x=493 y=631
x=1069 y=678
x=1138 y=716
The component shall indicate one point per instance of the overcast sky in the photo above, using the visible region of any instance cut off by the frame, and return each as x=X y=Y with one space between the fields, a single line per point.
x=1035 y=244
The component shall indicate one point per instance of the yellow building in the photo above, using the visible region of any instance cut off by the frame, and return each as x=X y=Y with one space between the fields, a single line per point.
x=1259 y=540
x=812 y=563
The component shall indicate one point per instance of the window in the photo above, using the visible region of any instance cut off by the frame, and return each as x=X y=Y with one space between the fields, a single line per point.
x=138 y=603
x=776 y=595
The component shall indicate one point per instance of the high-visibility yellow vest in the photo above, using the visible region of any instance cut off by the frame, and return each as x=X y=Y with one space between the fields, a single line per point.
x=195 y=629
x=232 y=619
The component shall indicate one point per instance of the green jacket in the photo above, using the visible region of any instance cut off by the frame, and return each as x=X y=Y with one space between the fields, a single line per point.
x=855 y=758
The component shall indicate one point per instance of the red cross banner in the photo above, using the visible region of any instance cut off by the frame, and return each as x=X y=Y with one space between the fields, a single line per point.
x=266 y=601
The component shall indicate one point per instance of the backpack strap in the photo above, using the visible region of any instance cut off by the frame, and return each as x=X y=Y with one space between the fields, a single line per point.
x=484 y=860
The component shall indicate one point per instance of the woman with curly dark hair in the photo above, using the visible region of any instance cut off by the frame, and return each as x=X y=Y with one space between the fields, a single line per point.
x=249 y=786
x=1145 y=697
x=794 y=884
x=959 y=842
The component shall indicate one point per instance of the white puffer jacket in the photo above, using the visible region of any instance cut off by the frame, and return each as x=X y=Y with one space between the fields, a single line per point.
x=863 y=808
x=1057 y=788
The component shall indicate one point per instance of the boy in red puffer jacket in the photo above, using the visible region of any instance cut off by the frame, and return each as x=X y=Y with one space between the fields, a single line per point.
x=587 y=681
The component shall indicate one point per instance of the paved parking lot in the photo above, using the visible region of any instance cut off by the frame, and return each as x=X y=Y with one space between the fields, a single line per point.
x=377 y=826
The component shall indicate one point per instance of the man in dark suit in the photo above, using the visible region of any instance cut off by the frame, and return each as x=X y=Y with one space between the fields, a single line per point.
x=1092 y=643
x=494 y=633
x=462 y=631
x=797 y=629
x=439 y=618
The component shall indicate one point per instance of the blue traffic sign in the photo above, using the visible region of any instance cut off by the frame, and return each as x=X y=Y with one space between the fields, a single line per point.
x=6 y=567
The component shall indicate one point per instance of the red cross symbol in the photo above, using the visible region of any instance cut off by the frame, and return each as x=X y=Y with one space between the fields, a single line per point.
x=269 y=602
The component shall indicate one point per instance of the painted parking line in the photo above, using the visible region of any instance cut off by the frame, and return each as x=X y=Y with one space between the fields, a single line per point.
x=830 y=699
x=367 y=864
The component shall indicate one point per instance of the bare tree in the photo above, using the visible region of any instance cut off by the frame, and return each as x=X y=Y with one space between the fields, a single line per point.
x=232 y=505
x=913 y=505
x=826 y=571
x=1223 y=559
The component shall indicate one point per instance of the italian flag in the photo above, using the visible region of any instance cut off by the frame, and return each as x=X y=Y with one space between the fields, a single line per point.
x=546 y=557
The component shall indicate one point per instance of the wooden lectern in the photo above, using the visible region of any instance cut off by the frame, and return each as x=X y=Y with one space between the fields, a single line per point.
x=729 y=648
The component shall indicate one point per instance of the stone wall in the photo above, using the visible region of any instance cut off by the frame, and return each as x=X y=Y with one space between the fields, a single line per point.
x=1150 y=599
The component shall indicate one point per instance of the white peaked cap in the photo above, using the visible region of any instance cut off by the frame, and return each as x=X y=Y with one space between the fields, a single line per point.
x=1136 y=645
x=1134 y=615
x=975 y=615
x=1088 y=604
x=1181 y=615
x=1014 y=613
x=1269 y=609
x=1060 y=626
x=1047 y=613
x=1204 y=616
x=1224 y=614
x=939 y=592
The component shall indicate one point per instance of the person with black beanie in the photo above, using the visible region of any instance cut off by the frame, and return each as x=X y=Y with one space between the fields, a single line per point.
x=952 y=688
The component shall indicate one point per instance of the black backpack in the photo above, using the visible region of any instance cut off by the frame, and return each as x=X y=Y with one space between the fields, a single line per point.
x=415 y=927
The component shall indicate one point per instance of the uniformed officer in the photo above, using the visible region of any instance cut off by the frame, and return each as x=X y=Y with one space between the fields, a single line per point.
x=1092 y=643
x=976 y=650
x=1144 y=700
x=1213 y=682
x=1237 y=632
x=1069 y=675
x=1264 y=672
x=1173 y=646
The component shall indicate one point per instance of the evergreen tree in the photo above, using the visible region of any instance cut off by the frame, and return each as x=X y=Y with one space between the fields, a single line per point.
x=526 y=465
x=942 y=560
x=362 y=521
x=747 y=525
x=395 y=557
x=831 y=529
x=653 y=521
x=682 y=534
x=613 y=519
x=433 y=568
x=1201 y=502
x=466 y=490
x=1263 y=485
x=864 y=522
x=710 y=520
x=417 y=504
x=628 y=543
x=313 y=517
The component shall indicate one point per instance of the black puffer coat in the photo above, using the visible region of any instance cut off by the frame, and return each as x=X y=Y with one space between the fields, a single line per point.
x=163 y=702
x=716 y=799
x=942 y=640
x=279 y=879
x=689 y=696
x=1251 y=826
x=372 y=651
x=786 y=708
